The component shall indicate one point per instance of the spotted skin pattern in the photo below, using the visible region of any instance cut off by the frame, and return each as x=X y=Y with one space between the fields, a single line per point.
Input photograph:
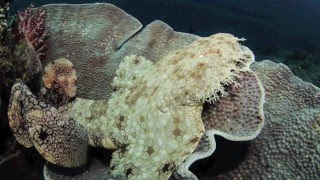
x=153 y=118
x=60 y=83
x=56 y=136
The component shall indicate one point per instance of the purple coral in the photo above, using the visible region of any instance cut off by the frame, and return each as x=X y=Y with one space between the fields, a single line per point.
x=32 y=28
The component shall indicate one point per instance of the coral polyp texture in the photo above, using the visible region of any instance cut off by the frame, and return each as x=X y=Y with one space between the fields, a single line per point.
x=102 y=36
x=97 y=32
x=236 y=117
x=289 y=145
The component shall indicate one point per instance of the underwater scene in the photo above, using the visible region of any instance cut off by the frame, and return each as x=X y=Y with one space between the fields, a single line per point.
x=159 y=89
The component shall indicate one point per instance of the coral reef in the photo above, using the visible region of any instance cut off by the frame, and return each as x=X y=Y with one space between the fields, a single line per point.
x=6 y=61
x=23 y=45
x=237 y=117
x=30 y=49
x=155 y=41
x=7 y=78
x=7 y=73
x=4 y=8
x=100 y=50
x=118 y=112
x=30 y=65
x=98 y=30
x=32 y=29
x=304 y=64
x=288 y=146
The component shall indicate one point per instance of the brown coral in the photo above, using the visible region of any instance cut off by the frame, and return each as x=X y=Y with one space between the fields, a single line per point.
x=102 y=49
x=237 y=117
x=97 y=31
x=288 y=146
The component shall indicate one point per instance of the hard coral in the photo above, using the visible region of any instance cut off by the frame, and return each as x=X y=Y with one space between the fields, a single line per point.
x=32 y=28
x=289 y=145
x=97 y=37
x=6 y=65
x=89 y=35
x=6 y=60
x=236 y=117
x=30 y=49
x=4 y=8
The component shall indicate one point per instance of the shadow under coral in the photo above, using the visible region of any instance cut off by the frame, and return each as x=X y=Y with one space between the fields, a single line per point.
x=227 y=156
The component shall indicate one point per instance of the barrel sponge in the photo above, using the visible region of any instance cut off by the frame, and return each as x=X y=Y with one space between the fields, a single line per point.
x=55 y=135
x=289 y=145
x=237 y=117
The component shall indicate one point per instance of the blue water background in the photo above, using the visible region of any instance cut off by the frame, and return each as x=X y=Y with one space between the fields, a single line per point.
x=270 y=26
